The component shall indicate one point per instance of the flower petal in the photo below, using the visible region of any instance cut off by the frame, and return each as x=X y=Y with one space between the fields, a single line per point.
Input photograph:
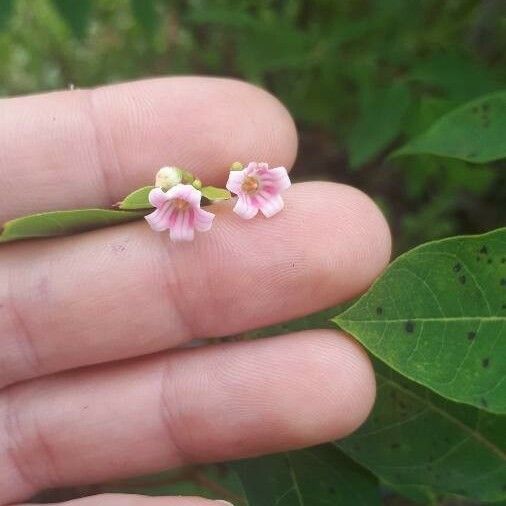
x=159 y=219
x=251 y=167
x=245 y=207
x=270 y=205
x=203 y=220
x=235 y=180
x=157 y=197
x=185 y=192
x=181 y=229
x=281 y=178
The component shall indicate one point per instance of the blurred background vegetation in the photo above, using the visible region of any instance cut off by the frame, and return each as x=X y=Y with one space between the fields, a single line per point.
x=359 y=76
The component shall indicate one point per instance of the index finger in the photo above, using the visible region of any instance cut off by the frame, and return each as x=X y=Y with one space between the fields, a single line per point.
x=88 y=148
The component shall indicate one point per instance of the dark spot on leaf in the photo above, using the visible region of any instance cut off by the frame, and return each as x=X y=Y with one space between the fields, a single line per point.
x=489 y=261
x=503 y=260
x=503 y=281
x=462 y=280
x=472 y=154
x=379 y=310
x=478 y=259
x=485 y=362
x=484 y=402
x=409 y=326
x=485 y=107
x=457 y=267
x=402 y=404
x=394 y=446
x=484 y=250
x=475 y=109
x=503 y=306
x=471 y=335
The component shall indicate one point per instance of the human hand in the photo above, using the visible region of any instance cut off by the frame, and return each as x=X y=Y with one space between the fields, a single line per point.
x=88 y=391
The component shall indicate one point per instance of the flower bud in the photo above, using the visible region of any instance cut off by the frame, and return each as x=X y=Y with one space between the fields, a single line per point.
x=197 y=183
x=237 y=166
x=167 y=177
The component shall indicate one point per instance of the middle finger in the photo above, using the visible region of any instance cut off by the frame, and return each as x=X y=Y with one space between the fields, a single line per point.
x=124 y=292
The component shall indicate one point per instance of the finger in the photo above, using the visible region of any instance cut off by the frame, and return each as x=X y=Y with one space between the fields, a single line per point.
x=124 y=292
x=86 y=148
x=137 y=500
x=205 y=404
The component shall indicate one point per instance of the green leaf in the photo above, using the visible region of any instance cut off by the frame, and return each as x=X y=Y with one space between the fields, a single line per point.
x=380 y=122
x=137 y=200
x=214 y=194
x=76 y=14
x=320 y=476
x=145 y=13
x=438 y=316
x=415 y=439
x=473 y=132
x=459 y=78
x=6 y=9
x=56 y=223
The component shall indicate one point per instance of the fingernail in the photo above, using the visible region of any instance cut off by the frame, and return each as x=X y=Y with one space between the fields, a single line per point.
x=224 y=503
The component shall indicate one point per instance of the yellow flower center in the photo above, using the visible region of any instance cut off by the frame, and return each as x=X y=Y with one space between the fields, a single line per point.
x=181 y=204
x=250 y=184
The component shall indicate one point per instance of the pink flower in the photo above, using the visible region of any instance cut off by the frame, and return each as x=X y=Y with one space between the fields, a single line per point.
x=178 y=210
x=258 y=188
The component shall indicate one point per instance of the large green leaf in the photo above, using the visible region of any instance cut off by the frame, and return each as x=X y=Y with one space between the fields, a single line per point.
x=379 y=123
x=419 y=443
x=320 y=476
x=416 y=439
x=438 y=316
x=473 y=132
x=55 y=223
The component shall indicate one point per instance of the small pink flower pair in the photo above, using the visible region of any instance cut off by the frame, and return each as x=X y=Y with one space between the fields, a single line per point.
x=178 y=205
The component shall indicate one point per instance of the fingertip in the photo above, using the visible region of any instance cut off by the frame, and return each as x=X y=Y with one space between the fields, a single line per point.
x=340 y=378
x=350 y=235
x=201 y=123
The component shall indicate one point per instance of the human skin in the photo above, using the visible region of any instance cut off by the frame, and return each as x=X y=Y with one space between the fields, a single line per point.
x=94 y=385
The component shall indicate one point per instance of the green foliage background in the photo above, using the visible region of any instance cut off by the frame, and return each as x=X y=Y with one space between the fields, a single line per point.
x=362 y=78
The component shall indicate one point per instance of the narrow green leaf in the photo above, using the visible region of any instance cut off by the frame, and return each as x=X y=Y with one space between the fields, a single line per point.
x=136 y=200
x=379 y=123
x=6 y=9
x=438 y=316
x=320 y=476
x=56 y=223
x=473 y=132
x=417 y=439
x=212 y=193
x=76 y=14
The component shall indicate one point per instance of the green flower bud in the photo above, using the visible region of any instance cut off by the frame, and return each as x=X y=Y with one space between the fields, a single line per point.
x=237 y=166
x=197 y=183
x=167 y=177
